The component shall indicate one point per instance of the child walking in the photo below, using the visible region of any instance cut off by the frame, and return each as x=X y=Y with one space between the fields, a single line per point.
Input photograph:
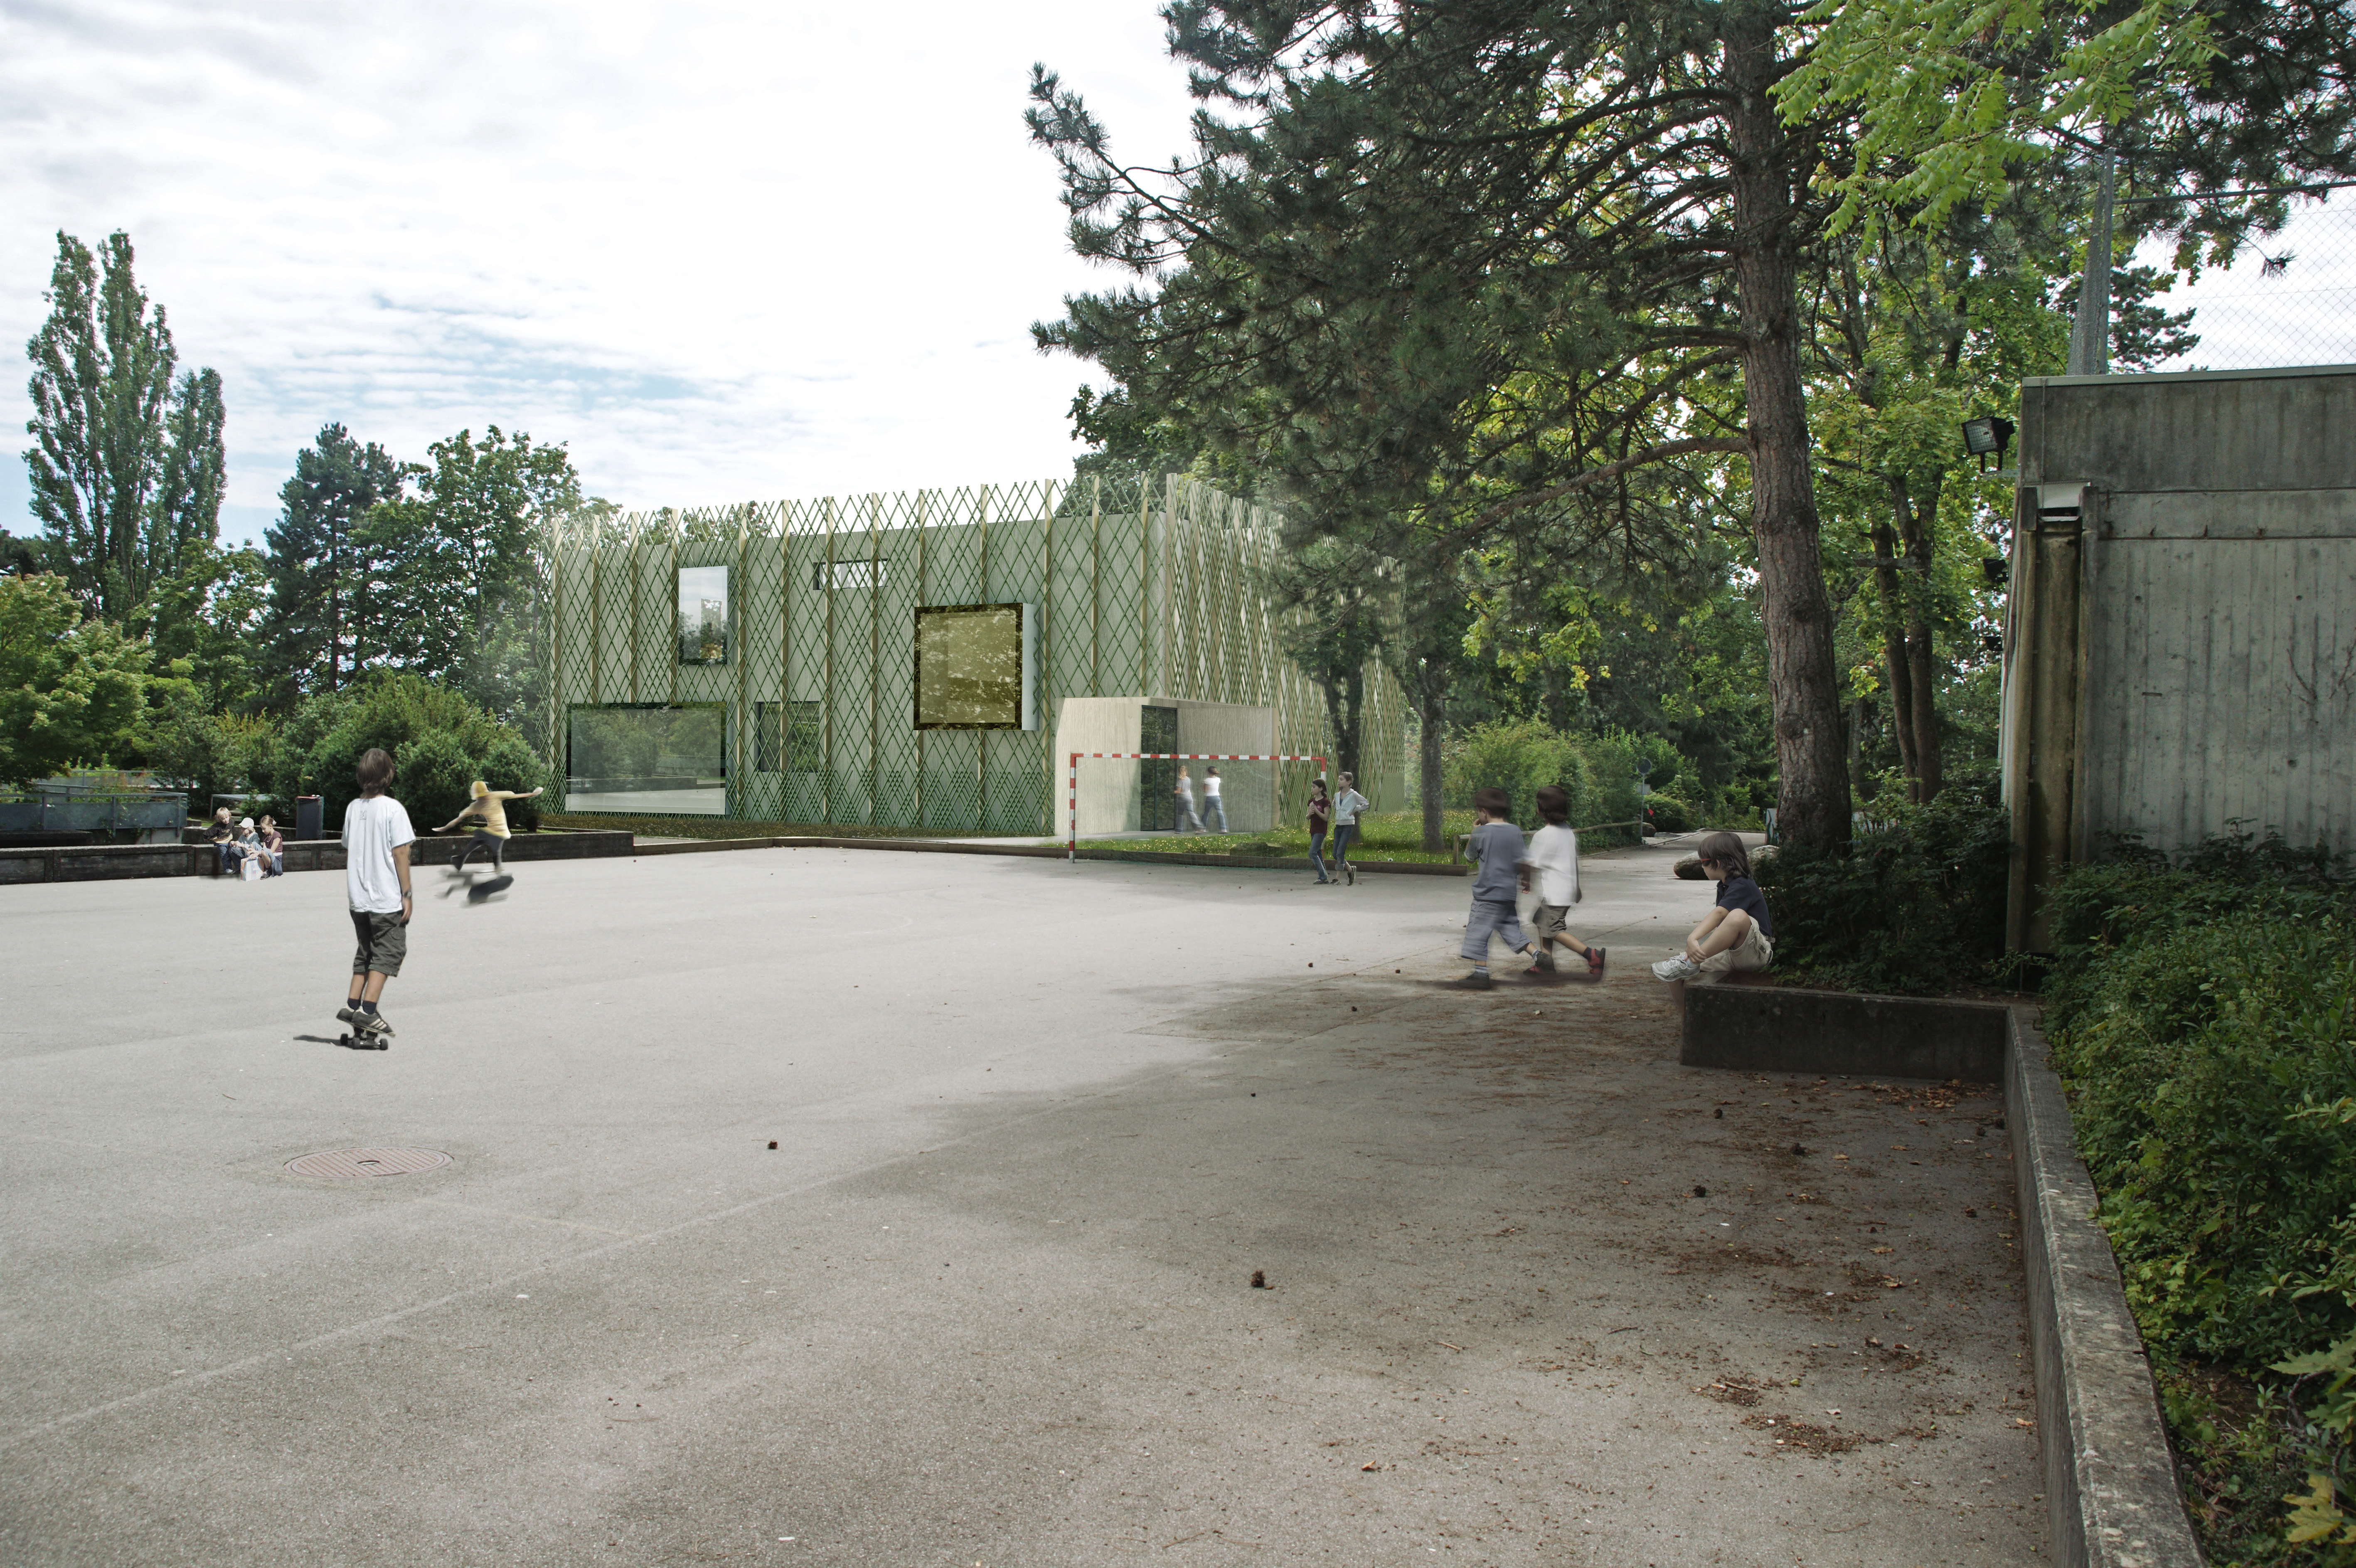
x=1554 y=864
x=489 y=809
x=1496 y=844
x=1347 y=807
x=377 y=836
x=1321 y=812
x=1738 y=934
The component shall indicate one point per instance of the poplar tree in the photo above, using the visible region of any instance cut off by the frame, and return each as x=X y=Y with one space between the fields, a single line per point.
x=126 y=464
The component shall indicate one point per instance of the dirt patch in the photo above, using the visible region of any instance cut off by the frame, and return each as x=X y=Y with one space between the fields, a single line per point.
x=1804 y=1437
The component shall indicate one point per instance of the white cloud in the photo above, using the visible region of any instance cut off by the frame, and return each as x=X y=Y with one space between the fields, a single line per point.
x=724 y=251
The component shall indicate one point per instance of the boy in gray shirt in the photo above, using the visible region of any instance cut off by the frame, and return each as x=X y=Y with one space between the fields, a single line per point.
x=1496 y=844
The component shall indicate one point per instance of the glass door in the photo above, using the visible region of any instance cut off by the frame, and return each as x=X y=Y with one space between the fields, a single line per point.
x=1157 y=782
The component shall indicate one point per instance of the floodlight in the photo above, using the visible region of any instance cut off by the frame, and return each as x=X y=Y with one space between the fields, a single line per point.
x=1990 y=432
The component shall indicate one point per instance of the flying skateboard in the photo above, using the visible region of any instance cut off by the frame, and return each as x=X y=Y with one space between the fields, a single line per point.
x=481 y=891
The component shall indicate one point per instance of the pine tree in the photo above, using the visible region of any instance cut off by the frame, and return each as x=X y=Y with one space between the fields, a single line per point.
x=320 y=580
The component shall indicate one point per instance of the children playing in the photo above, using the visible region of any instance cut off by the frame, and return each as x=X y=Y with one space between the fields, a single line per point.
x=377 y=836
x=1738 y=934
x=1553 y=864
x=1496 y=844
x=488 y=808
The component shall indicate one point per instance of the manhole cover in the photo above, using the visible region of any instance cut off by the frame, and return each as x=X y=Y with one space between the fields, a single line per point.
x=369 y=1162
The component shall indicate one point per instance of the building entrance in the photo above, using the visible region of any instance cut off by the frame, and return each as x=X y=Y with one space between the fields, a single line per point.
x=1157 y=778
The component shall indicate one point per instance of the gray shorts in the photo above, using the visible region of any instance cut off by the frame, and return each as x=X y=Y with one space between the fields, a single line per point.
x=1550 y=919
x=1488 y=915
x=384 y=942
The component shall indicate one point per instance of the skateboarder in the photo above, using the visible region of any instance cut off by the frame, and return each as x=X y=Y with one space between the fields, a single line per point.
x=489 y=809
x=377 y=836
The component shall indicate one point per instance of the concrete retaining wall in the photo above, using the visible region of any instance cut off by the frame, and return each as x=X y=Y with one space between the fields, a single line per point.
x=102 y=863
x=1771 y=1028
x=2110 y=1481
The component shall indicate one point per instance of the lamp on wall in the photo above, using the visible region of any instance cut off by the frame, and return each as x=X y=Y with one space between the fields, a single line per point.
x=1990 y=432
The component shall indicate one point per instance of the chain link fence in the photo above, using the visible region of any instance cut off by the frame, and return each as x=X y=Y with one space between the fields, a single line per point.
x=2289 y=299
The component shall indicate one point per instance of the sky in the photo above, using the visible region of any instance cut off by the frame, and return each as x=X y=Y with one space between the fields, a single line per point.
x=724 y=252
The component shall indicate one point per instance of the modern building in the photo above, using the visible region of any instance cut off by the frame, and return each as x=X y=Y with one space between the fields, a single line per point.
x=931 y=659
x=2181 y=641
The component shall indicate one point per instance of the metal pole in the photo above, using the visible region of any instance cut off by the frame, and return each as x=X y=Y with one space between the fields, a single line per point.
x=2089 y=339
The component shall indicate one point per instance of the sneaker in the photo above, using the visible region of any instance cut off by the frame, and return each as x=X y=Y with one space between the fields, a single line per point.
x=349 y=1014
x=1350 y=874
x=1677 y=967
x=1542 y=961
x=1325 y=881
x=1476 y=981
x=377 y=1027
x=1595 y=961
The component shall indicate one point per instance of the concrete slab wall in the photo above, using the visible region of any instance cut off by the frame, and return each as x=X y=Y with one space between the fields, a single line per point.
x=1107 y=791
x=2181 y=640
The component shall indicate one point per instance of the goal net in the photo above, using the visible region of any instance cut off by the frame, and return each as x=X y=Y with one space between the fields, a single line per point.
x=1120 y=792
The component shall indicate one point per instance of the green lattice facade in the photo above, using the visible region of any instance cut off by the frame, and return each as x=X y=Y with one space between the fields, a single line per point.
x=1138 y=588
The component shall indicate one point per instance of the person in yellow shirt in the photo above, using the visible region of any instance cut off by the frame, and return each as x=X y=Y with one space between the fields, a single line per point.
x=488 y=808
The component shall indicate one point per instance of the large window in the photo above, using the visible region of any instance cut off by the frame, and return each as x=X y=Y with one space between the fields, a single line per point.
x=703 y=614
x=786 y=738
x=635 y=758
x=974 y=667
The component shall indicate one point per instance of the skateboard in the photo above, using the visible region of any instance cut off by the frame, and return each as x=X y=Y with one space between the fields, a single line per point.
x=482 y=890
x=351 y=1040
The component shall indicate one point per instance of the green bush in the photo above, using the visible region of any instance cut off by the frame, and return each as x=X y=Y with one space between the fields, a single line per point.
x=1598 y=772
x=2204 y=1015
x=1669 y=815
x=1520 y=758
x=1914 y=905
x=440 y=742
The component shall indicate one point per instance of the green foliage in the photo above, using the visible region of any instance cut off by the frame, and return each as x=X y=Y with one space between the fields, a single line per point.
x=2204 y=1014
x=460 y=565
x=126 y=465
x=325 y=596
x=1520 y=758
x=440 y=742
x=214 y=753
x=1914 y=906
x=74 y=689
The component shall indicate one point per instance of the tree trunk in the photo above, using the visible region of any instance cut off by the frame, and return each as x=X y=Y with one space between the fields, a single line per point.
x=1894 y=653
x=1914 y=518
x=1345 y=695
x=1432 y=711
x=1804 y=676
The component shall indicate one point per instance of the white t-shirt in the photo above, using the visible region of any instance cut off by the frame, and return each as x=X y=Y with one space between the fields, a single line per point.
x=1554 y=850
x=1211 y=786
x=374 y=826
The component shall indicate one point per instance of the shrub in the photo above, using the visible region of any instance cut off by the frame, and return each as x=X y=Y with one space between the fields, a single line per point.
x=2204 y=1015
x=1519 y=758
x=1668 y=814
x=440 y=742
x=1915 y=904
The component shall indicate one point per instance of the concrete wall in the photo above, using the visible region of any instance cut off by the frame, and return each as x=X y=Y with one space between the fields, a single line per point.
x=1107 y=791
x=2181 y=644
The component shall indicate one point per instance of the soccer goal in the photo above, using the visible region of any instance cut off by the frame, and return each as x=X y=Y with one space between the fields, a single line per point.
x=1149 y=791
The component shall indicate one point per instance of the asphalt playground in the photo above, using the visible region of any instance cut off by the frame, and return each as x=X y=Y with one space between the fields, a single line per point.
x=1533 y=1292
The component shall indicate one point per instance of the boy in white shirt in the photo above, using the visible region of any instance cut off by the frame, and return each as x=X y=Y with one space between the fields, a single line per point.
x=1211 y=806
x=1554 y=866
x=377 y=836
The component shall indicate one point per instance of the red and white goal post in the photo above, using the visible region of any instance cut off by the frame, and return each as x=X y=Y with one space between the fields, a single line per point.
x=1072 y=784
